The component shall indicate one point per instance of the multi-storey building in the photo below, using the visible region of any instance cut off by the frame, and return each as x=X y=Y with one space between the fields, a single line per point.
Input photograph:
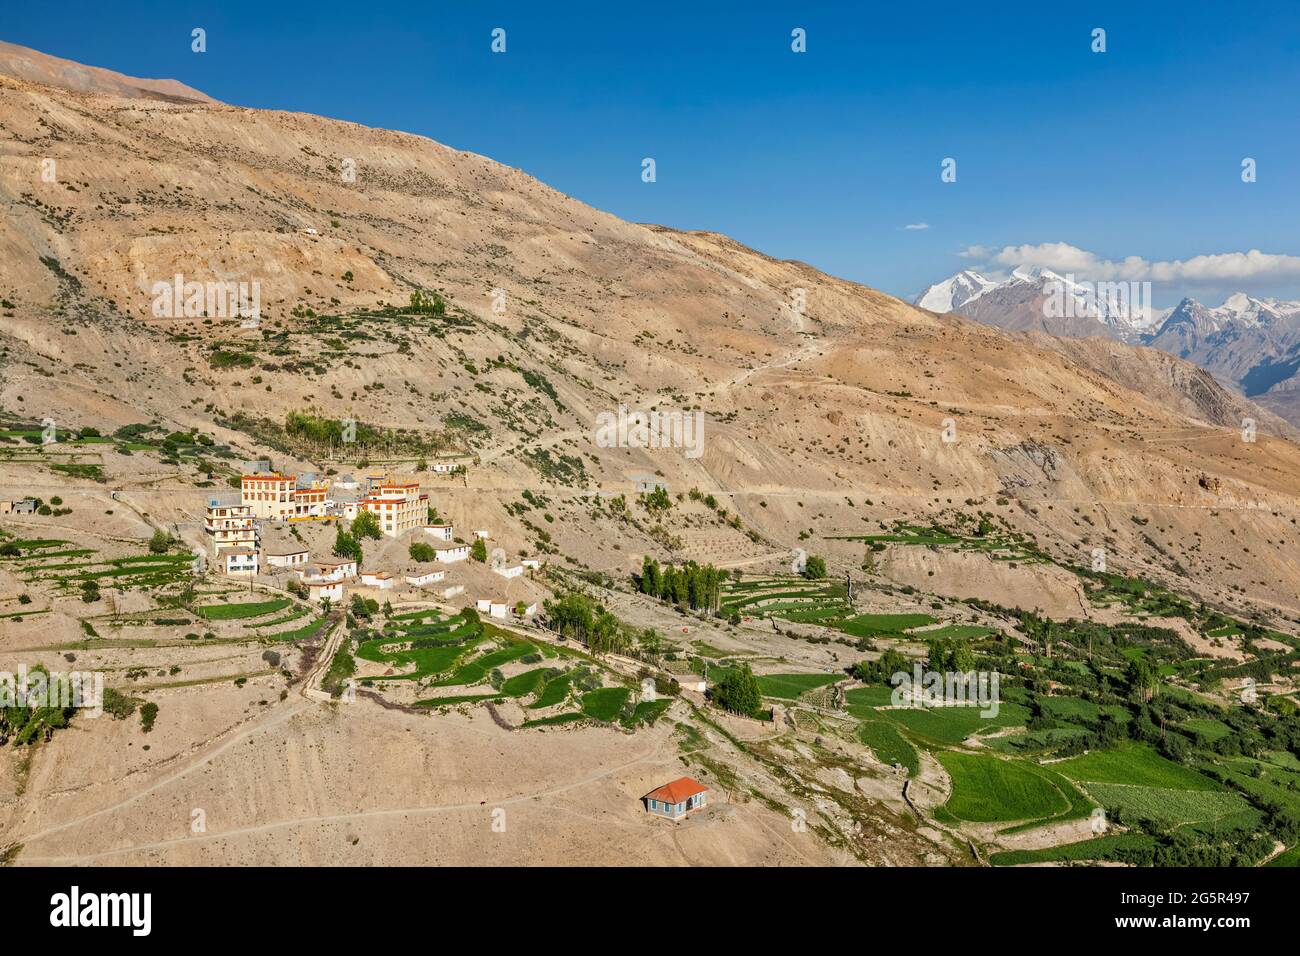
x=270 y=495
x=399 y=507
x=310 y=501
x=230 y=525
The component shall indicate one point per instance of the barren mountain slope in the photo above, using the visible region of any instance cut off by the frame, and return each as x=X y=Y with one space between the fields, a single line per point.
x=32 y=65
x=809 y=413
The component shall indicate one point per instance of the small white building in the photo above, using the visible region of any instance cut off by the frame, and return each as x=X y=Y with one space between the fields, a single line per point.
x=451 y=555
x=317 y=590
x=510 y=572
x=452 y=591
x=239 y=561
x=482 y=534
x=378 y=579
x=347 y=483
x=532 y=564
x=492 y=608
x=529 y=610
x=292 y=558
x=443 y=532
x=422 y=578
x=336 y=570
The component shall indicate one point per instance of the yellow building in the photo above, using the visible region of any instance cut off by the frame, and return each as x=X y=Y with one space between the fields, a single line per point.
x=398 y=506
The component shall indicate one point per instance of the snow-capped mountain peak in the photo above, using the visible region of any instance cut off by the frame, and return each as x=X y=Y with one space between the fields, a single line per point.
x=951 y=294
x=1114 y=305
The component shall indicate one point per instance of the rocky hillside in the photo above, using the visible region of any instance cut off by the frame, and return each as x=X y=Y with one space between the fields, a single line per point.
x=828 y=407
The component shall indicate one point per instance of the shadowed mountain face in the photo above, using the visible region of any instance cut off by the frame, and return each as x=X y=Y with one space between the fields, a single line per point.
x=35 y=67
x=1253 y=344
x=814 y=391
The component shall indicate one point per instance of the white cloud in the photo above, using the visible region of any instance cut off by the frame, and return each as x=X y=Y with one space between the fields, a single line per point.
x=1063 y=257
x=917 y=225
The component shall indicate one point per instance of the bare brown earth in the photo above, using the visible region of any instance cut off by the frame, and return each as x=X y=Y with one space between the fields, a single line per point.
x=823 y=423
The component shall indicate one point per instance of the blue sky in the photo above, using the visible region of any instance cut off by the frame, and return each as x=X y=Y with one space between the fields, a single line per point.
x=823 y=156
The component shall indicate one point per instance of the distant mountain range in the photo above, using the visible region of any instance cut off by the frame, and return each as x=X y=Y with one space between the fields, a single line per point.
x=1251 y=344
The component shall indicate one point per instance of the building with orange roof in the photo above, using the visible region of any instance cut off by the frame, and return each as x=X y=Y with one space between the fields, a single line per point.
x=675 y=800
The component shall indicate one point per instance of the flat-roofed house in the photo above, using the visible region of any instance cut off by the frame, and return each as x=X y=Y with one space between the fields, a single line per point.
x=451 y=555
x=422 y=578
x=238 y=561
x=329 y=570
x=317 y=590
x=675 y=800
x=443 y=532
x=378 y=579
x=310 y=500
x=288 y=558
x=511 y=572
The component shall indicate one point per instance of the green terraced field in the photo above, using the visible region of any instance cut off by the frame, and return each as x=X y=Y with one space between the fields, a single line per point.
x=1101 y=848
x=555 y=692
x=1133 y=765
x=790 y=686
x=235 y=612
x=478 y=669
x=888 y=745
x=605 y=702
x=949 y=726
x=992 y=790
x=1171 y=807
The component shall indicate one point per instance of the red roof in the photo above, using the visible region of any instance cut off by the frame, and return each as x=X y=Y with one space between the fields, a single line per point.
x=679 y=791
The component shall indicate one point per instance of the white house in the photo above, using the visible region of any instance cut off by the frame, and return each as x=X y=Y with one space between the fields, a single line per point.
x=452 y=591
x=316 y=590
x=442 y=532
x=336 y=570
x=347 y=482
x=443 y=467
x=239 y=561
x=532 y=564
x=511 y=572
x=451 y=555
x=291 y=558
x=529 y=610
x=378 y=579
x=482 y=534
x=492 y=608
x=422 y=578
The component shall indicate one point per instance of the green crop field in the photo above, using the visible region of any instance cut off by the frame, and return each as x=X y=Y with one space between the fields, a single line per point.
x=951 y=725
x=991 y=790
x=1168 y=806
x=1133 y=765
x=790 y=686
x=555 y=692
x=869 y=625
x=477 y=669
x=235 y=612
x=526 y=683
x=604 y=703
x=1102 y=848
x=888 y=745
